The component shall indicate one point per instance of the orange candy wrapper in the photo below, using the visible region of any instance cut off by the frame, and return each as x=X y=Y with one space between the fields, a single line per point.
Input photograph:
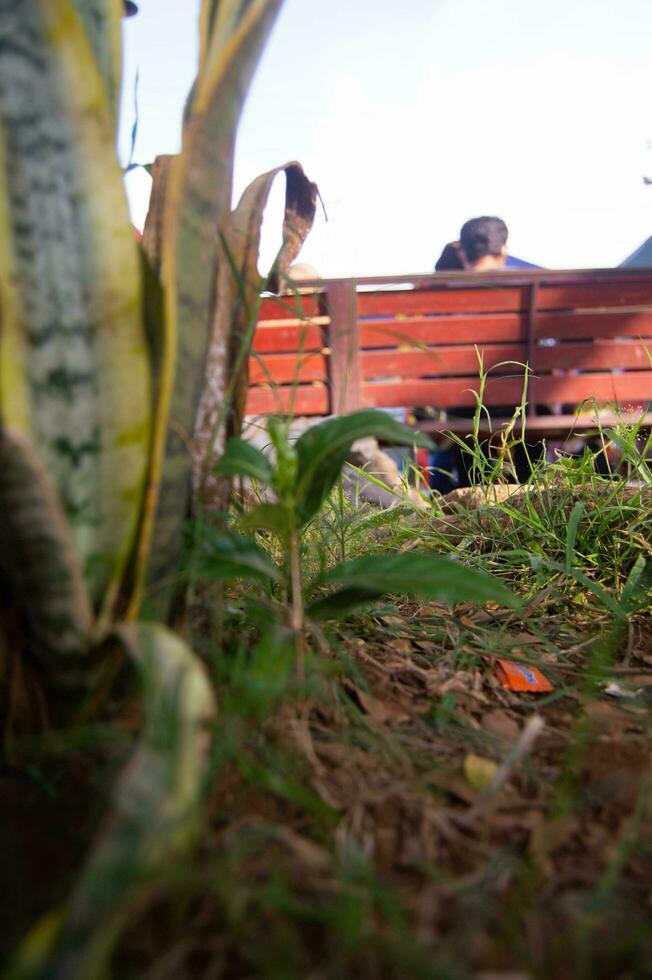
x=521 y=677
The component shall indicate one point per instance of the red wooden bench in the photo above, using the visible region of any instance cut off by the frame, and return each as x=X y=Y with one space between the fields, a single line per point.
x=414 y=340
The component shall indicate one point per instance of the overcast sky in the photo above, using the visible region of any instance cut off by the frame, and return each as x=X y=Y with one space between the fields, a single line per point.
x=414 y=117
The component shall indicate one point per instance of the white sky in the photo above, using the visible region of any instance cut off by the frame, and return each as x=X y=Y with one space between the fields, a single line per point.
x=414 y=117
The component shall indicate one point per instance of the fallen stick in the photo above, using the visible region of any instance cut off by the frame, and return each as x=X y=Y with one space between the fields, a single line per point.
x=521 y=748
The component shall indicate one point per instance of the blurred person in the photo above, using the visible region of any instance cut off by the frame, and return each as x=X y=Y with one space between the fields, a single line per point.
x=482 y=246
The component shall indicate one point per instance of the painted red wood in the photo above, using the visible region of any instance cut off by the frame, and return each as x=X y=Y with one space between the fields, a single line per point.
x=569 y=326
x=595 y=295
x=441 y=330
x=485 y=329
x=297 y=400
x=442 y=393
x=344 y=362
x=493 y=297
x=436 y=360
x=449 y=315
x=453 y=299
x=290 y=368
x=546 y=425
x=587 y=356
x=626 y=389
x=304 y=336
x=290 y=307
x=591 y=356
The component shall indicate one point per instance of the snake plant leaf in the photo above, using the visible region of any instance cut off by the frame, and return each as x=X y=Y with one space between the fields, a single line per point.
x=152 y=241
x=238 y=289
x=156 y=811
x=39 y=568
x=323 y=450
x=101 y=22
x=74 y=372
x=198 y=199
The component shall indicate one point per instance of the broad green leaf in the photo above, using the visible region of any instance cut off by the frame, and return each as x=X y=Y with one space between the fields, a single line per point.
x=198 y=199
x=39 y=567
x=426 y=576
x=323 y=450
x=269 y=517
x=242 y=459
x=287 y=460
x=74 y=372
x=222 y=554
x=155 y=814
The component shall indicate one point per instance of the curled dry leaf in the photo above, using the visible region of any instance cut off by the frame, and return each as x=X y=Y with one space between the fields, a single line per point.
x=234 y=319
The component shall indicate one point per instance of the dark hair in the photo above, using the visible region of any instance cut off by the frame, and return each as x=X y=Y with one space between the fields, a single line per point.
x=483 y=236
x=451 y=259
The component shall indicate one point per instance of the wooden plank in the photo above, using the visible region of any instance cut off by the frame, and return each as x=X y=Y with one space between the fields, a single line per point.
x=506 y=275
x=595 y=295
x=485 y=329
x=497 y=298
x=588 y=356
x=295 y=400
x=577 y=326
x=510 y=327
x=627 y=388
x=542 y=425
x=436 y=361
x=287 y=368
x=443 y=393
x=344 y=361
x=290 y=307
x=441 y=330
x=603 y=355
x=277 y=339
x=461 y=298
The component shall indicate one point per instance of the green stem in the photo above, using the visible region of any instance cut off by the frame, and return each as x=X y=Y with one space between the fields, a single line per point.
x=297 y=618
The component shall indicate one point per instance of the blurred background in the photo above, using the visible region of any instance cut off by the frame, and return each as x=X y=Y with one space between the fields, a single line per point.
x=413 y=118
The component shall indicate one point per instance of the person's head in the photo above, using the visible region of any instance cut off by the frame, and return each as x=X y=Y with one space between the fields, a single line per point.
x=451 y=259
x=484 y=241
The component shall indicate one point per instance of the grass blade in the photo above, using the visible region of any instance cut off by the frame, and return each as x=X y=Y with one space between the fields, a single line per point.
x=571 y=533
